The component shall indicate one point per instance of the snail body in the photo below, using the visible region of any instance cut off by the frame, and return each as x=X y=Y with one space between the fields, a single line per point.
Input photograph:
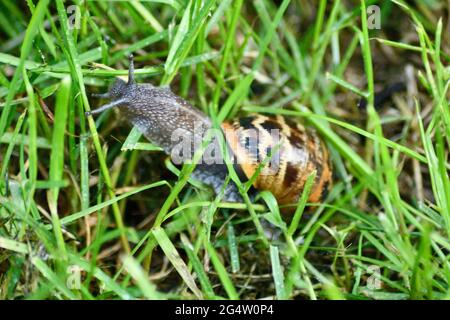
x=285 y=153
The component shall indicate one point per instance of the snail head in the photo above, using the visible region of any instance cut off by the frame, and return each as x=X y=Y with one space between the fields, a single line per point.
x=117 y=92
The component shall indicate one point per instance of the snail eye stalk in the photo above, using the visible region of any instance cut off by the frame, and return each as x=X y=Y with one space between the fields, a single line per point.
x=131 y=70
x=106 y=107
x=105 y=95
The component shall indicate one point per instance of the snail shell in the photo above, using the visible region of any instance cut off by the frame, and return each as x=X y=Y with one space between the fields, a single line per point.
x=300 y=151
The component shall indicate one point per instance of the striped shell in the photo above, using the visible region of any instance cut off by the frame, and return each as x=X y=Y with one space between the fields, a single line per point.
x=295 y=153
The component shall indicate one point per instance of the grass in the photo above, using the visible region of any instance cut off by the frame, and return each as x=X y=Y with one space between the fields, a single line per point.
x=90 y=210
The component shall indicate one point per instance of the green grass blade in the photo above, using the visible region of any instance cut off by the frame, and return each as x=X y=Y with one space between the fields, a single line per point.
x=178 y=263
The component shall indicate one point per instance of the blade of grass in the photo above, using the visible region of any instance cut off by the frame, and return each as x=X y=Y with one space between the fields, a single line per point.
x=174 y=257
x=222 y=272
x=301 y=204
x=12 y=142
x=148 y=289
x=233 y=248
x=277 y=273
x=198 y=267
x=75 y=216
x=12 y=245
x=57 y=159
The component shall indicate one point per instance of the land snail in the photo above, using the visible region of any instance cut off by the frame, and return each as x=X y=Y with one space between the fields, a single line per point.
x=160 y=115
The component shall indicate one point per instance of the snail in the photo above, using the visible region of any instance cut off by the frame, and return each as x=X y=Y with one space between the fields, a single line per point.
x=294 y=152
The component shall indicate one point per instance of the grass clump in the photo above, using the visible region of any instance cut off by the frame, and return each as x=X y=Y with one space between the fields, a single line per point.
x=89 y=210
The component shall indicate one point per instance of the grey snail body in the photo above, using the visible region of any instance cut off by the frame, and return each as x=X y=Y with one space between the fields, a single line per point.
x=158 y=113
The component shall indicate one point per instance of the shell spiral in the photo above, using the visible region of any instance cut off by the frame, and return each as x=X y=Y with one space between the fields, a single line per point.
x=289 y=153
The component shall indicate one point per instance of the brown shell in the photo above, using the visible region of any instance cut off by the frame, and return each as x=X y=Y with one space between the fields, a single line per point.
x=296 y=152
